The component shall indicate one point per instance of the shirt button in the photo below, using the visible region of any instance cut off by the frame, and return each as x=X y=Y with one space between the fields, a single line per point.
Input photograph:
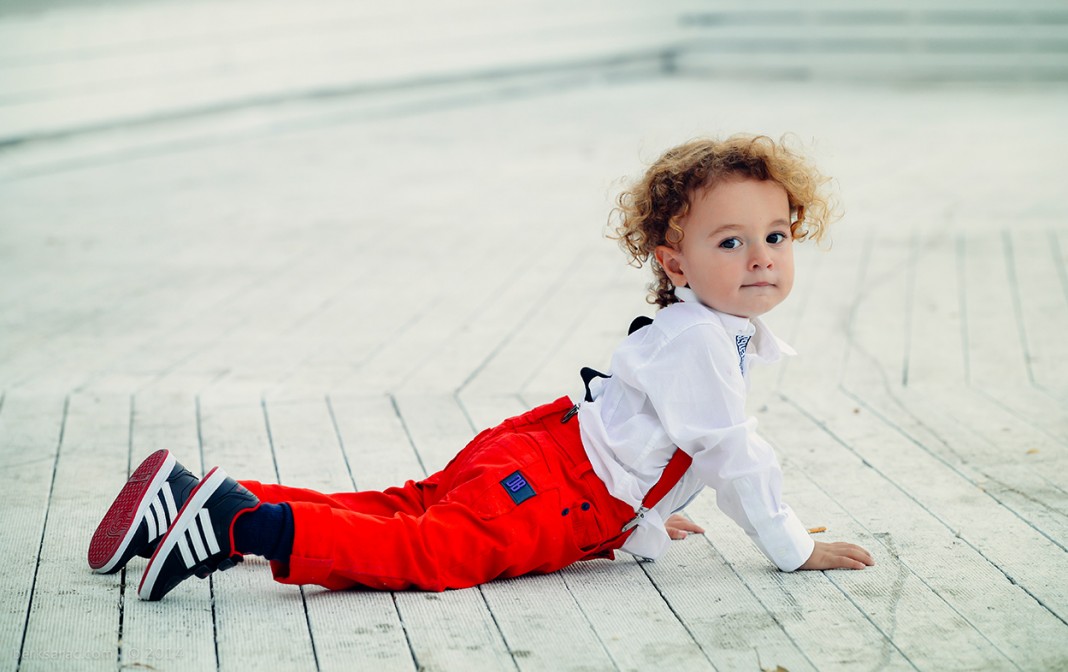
x=565 y=512
x=585 y=506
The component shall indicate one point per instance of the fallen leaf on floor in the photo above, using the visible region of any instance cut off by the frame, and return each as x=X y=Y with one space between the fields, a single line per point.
x=816 y=530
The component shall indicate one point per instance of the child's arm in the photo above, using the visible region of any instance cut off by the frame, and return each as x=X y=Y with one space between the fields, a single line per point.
x=838 y=555
x=835 y=555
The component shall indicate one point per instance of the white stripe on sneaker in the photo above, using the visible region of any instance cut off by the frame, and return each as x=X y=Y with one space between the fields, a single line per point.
x=187 y=557
x=196 y=538
x=179 y=534
x=209 y=532
x=168 y=498
x=150 y=520
x=162 y=521
x=198 y=542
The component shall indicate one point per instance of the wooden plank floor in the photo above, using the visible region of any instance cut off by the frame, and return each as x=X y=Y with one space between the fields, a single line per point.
x=340 y=292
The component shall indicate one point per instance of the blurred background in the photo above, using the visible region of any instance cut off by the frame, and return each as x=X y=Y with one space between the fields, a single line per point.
x=278 y=193
x=73 y=66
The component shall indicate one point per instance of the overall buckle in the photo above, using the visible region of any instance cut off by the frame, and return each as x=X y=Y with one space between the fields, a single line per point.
x=639 y=516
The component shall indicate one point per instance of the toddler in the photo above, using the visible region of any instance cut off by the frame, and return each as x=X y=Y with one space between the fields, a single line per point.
x=717 y=221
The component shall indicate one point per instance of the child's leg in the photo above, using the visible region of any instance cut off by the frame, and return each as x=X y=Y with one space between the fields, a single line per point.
x=482 y=528
x=412 y=498
x=449 y=546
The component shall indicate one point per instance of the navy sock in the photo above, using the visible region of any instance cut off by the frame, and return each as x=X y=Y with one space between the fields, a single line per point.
x=266 y=530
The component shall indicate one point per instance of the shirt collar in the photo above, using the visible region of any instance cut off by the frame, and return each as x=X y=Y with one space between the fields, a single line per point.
x=764 y=345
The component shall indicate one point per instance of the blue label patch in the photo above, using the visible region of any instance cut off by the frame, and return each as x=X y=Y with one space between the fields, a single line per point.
x=518 y=488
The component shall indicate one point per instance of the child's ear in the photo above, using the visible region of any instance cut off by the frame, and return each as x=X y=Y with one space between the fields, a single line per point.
x=668 y=258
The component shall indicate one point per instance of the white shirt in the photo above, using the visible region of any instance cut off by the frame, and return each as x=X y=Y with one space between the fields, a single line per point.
x=682 y=382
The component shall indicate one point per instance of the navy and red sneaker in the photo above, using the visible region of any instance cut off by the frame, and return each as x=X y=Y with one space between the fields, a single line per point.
x=200 y=540
x=141 y=513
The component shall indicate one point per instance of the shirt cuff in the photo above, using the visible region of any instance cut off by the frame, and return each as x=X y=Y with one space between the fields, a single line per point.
x=787 y=542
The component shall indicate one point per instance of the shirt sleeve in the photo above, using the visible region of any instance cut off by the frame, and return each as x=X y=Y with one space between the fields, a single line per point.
x=697 y=391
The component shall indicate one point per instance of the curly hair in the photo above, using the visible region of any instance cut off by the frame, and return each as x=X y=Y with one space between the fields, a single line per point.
x=649 y=212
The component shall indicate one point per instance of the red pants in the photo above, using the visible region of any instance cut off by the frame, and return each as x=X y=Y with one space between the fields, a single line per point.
x=520 y=498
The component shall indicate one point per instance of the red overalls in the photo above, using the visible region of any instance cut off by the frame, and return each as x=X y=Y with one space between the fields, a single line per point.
x=520 y=498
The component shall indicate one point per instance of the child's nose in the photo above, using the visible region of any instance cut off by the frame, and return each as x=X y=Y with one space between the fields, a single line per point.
x=760 y=257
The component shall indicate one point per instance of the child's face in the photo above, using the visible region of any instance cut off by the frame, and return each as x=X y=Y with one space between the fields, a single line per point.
x=737 y=251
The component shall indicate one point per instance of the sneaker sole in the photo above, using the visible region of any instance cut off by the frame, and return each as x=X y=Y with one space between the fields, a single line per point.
x=197 y=498
x=117 y=529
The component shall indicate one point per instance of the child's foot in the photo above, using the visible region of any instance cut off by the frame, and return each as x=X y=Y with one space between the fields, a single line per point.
x=200 y=539
x=141 y=513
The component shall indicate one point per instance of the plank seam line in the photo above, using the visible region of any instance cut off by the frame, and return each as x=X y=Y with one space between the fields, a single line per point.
x=1017 y=305
x=985 y=439
x=771 y=614
x=72 y=322
x=560 y=280
x=44 y=528
x=897 y=487
x=274 y=274
x=278 y=479
x=962 y=299
x=678 y=617
x=122 y=578
x=341 y=287
x=211 y=579
x=862 y=273
x=671 y=608
x=901 y=431
x=910 y=301
x=482 y=593
x=862 y=295
x=1014 y=413
x=485 y=602
x=117 y=309
x=504 y=637
x=802 y=309
x=372 y=352
x=897 y=558
x=1055 y=486
x=589 y=621
x=340 y=440
x=404 y=629
x=352 y=479
x=869 y=619
x=1059 y=262
x=567 y=332
x=480 y=310
x=407 y=433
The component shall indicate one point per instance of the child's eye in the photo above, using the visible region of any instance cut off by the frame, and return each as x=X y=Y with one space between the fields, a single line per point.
x=776 y=238
x=731 y=243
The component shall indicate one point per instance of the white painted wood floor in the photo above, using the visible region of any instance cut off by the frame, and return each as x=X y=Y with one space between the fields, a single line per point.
x=339 y=293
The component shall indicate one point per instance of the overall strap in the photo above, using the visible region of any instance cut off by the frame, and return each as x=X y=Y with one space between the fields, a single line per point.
x=672 y=474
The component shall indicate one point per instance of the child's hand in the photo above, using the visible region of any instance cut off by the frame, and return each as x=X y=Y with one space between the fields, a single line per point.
x=838 y=555
x=678 y=526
